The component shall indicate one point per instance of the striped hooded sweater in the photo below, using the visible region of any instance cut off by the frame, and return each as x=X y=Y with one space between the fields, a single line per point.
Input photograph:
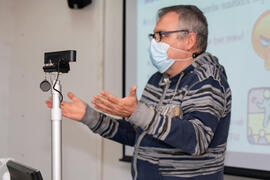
x=180 y=126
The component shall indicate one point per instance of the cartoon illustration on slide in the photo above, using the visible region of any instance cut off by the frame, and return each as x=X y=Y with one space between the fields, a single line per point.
x=266 y=106
x=259 y=116
x=261 y=38
x=258 y=130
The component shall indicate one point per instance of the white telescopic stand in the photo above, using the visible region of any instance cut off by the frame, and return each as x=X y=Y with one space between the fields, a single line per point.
x=56 y=141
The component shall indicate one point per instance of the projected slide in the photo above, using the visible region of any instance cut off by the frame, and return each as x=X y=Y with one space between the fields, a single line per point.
x=239 y=35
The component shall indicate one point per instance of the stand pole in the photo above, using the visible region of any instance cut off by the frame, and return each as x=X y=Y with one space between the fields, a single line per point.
x=56 y=117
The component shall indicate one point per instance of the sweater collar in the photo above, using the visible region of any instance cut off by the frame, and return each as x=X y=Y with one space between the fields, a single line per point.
x=197 y=62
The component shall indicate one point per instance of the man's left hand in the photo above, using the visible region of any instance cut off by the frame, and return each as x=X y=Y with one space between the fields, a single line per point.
x=123 y=107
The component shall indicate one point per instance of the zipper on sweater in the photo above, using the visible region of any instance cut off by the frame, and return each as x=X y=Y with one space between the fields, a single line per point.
x=167 y=84
x=136 y=154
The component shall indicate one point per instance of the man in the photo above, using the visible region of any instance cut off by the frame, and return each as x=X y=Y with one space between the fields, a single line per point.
x=179 y=127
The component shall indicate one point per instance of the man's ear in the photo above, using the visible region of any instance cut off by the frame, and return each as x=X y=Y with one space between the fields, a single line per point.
x=191 y=40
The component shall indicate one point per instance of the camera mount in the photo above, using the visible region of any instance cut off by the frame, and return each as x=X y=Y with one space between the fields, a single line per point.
x=56 y=62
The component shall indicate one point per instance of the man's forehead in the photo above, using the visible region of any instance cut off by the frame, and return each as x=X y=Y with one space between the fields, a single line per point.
x=169 y=21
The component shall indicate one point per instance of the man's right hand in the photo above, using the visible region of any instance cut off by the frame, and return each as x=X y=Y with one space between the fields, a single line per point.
x=73 y=110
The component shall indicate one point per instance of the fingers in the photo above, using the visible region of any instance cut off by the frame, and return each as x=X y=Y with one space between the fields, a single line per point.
x=132 y=91
x=103 y=104
x=67 y=106
x=49 y=103
x=64 y=103
x=72 y=96
x=65 y=111
x=108 y=103
x=103 y=107
x=110 y=97
x=100 y=100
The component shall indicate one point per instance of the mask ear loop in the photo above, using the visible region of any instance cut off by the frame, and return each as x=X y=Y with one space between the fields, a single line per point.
x=194 y=55
x=183 y=51
x=186 y=59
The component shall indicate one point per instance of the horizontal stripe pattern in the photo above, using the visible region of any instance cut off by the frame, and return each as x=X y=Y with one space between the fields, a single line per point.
x=206 y=99
x=108 y=128
x=104 y=125
x=176 y=163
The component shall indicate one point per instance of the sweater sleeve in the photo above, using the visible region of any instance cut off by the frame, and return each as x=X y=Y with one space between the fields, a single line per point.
x=117 y=130
x=192 y=132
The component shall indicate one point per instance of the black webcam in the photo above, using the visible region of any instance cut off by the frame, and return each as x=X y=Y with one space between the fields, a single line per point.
x=58 y=61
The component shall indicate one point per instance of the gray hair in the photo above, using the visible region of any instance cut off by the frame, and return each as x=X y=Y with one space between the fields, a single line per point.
x=191 y=18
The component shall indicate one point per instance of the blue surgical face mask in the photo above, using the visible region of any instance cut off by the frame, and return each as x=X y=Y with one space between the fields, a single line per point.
x=159 y=56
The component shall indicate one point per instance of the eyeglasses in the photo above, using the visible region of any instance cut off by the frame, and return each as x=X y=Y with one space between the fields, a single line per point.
x=158 y=35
